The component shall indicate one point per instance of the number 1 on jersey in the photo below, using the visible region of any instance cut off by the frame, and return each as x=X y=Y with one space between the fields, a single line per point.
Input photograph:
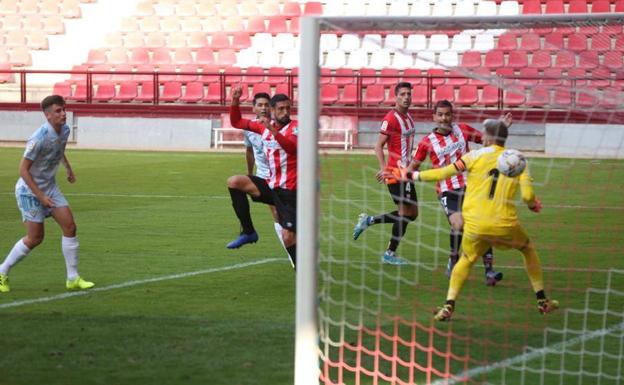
x=494 y=173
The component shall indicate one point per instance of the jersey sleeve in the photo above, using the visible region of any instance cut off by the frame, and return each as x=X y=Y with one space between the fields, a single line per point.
x=33 y=147
x=388 y=125
x=246 y=140
x=237 y=121
x=422 y=151
x=526 y=186
x=471 y=134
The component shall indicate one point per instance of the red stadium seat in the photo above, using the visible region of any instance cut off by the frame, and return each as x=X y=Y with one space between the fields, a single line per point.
x=577 y=6
x=220 y=40
x=513 y=97
x=531 y=7
x=507 y=42
x=292 y=9
x=6 y=77
x=494 y=59
x=518 y=59
x=183 y=56
x=577 y=42
x=253 y=75
x=482 y=77
x=456 y=78
x=413 y=76
x=587 y=97
x=139 y=56
x=438 y=76
x=489 y=96
x=374 y=95
x=96 y=56
x=313 y=8
x=554 y=6
x=619 y=6
x=161 y=56
x=105 y=92
x=611 y=98
x=167 y=73
x=531 y=74
x=589 y=59
x=147 y=92
x=214 y=93
x=346 y=76
x=276 y=75
x=613 y=60
x=294 y=26
x=392 y=79
x=601 y=6
x=619 y=43
x=349 y=95
x=283 y=89
x=553 y=41
x=467 y=95
x=445 y=92
x=420 y=95
x=530 y=42
x=104 y=76
x=194 y=92
x=369 y=76
x=256 y=25
x=562 y=98
x=601 y=42
x=390 y=99
x=565 y=59
x=172 y=91
x=277 y=24
x=191 y=76
x=471 y=59
x=209 y=74
x=541 y=59
x=80 y=93
x=241 y=40
x=600 y=77
x=63 y=89
x=204 y=56
x=552 y=77
x=245 y=92
x=147 y=69
x=227 y=57
x=127 y=92
x=233 y=75
x=329 y=94
x=538 y=97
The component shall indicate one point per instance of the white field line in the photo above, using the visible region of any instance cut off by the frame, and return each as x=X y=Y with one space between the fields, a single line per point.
x=358 y=201
x=138 y=282
x=536 y=353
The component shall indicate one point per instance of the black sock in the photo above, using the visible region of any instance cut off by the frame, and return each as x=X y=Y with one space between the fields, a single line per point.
x=456 y=239
x=241 y=208
x=398 y=231
x=488 y=260
x=540 y=295
x=385 y=218
x=292 y=251
x=451 y=302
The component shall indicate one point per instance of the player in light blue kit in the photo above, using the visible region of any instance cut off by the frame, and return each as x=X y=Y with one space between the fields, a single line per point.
x=253 y=185
x=39 y=197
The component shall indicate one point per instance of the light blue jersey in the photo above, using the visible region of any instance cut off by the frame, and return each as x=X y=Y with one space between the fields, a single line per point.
x=254 y=141
x=45 y=148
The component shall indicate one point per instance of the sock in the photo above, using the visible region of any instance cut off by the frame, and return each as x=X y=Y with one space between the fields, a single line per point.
x=540 y=295
x=458 y=277
x=385 y=218
x=292 y=253
x=488 y=260
x=451 y=302
x=17 y=253
x=398 y=231
x=455 y=241
x=278 y=231
x=241 y=208
x=70 y=252
x=533 y=267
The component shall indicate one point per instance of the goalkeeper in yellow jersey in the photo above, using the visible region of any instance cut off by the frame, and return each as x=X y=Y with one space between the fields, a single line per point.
x=490 y=216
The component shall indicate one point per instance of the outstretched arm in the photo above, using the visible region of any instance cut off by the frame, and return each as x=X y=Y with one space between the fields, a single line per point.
x=236 y=119
x=431 y=175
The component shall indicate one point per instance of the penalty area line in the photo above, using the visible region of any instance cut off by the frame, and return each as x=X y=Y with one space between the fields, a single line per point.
x=532 y=354
x=137 y=283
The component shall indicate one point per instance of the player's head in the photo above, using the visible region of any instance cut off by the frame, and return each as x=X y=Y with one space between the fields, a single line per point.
x=443 y=114
x=280 y=108
x=261 y=104
x=496 y=132
x=403 y=93
x=53 y=107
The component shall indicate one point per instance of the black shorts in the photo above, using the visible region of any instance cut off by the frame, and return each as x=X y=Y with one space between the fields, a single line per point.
x=266 y=196
x=403 y=193
x=286 y=206
x=452 y=201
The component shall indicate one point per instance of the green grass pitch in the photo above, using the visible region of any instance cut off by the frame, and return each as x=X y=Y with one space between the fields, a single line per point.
x=145 y=216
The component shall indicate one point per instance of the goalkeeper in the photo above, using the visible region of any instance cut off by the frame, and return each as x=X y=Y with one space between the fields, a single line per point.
x=490 y=215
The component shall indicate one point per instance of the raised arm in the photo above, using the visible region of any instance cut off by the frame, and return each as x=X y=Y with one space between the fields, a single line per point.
x=236 y=119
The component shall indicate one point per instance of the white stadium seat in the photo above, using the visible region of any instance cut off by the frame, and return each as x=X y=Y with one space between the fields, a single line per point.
x=269 y=58
x=438 y=42
x=509 y=8
x=284 y=41
x=425 y=60
x=358 y=59
x=376 y=8
x=420 y=8
x=247 y=57
x=394 y=42
x=416 y=43
x=448 y=59
x=290 y=59
x=333 y=8
x=349 y=42
x=371 y=42
x=461 y=43
x=380 y=59
x=329 y=41
x=402 y=60
x=335 y=59
x=465 y=8
x=262 y=40
x=398 y=8
x=442 y=8
x=486 y=8
x=484 y=42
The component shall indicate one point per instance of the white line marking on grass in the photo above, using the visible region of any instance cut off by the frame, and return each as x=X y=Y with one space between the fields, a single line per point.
x=138 y=282
x=555 y=348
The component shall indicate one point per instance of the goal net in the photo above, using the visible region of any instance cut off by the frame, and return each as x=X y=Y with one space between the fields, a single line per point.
x=562 y=78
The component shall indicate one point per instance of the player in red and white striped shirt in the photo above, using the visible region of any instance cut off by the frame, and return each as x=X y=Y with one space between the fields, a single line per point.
x=279 y=137
x=445 y=145
x=397 y=132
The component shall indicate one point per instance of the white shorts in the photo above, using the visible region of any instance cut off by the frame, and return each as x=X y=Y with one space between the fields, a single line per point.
x=32 y=210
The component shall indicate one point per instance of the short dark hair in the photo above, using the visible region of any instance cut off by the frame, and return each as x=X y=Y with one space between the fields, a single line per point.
x=402 y=85
x=278 y=98
x=261 y=95
x=497 y=130
x=442 y=104
x=50 y=100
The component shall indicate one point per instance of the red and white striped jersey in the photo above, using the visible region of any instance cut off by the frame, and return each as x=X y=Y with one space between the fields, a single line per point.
x=447 y=149
x=400 y=131
x=280 y=149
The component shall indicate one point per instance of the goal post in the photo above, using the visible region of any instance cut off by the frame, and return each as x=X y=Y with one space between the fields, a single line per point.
x=308 y=355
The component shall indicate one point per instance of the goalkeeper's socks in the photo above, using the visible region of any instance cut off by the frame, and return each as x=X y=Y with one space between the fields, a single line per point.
x=540 y=295
x=292 y=253
x=392 y=217
x=488 y=260
x=451 y=302
x=241 y=208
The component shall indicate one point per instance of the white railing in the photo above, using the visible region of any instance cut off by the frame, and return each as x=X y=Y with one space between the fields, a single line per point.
x=346 y=141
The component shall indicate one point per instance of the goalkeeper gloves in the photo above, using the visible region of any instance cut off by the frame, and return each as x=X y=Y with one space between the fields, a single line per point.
x=401 y=174
x=536 y=206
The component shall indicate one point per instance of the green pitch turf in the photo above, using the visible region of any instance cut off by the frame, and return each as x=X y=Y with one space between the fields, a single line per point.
x=173 y=306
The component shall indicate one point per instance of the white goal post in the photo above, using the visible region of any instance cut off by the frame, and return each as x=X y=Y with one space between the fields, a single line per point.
x=307 y=366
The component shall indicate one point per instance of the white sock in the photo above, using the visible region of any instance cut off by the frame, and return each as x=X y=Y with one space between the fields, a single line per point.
x=70 y=252
x=19 y=251
x=278 y=231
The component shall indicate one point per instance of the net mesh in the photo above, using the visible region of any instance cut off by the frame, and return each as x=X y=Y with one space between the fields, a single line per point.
x=563 y=82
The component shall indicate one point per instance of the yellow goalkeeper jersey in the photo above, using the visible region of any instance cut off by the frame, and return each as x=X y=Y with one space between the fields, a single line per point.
x=489 y=206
